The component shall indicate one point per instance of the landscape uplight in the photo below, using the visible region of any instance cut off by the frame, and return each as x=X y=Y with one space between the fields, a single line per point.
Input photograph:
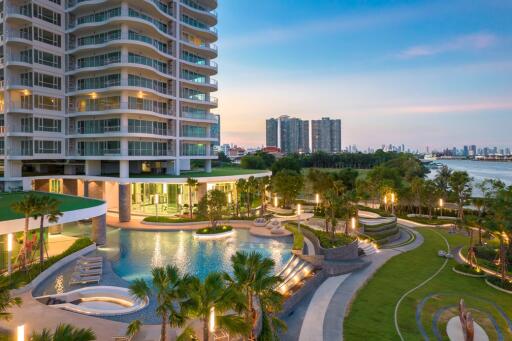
x=229 y=198
x=317 y=199
x=211 y=322
x=156 y=204
x=354 y=223
x=20 y=331
x=275 y=201
x=385 y=200
x=441 y=204
x=392 y=198
x=298 y=209
x=9 y=253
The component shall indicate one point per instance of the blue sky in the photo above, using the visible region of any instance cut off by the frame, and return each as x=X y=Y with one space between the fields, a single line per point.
x=435 y=73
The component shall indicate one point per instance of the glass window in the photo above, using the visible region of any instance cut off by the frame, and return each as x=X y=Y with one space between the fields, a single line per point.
x=47 y=15
x=46 y=58
x=47 y=124
x=47 y=81
x=47 y=147
x=99 y=82
x=48 y=103
x=47 y=37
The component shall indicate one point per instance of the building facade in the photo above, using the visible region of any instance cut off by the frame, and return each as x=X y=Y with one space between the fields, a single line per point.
x=117 y=87
x=272 y=126
x=289 y=134
x=326 y=135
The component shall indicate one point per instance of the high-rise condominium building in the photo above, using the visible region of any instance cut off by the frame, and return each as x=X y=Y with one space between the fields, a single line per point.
x=288 y=133
x=114 y=87
x=272 y=126
x=326 y=135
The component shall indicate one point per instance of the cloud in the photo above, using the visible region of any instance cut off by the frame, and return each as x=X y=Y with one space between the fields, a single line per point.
x=476 y=41
x=336 y=24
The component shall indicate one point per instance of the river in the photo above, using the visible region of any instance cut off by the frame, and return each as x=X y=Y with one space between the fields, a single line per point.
x=480 y=170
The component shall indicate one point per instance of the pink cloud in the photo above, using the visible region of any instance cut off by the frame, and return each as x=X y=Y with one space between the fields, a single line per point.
x=476 y=41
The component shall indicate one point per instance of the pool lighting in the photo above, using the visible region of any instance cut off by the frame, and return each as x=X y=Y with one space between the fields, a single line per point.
x=211 y=322
x=20 y=331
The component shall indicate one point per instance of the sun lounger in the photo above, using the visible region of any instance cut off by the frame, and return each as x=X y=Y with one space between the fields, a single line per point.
x=441 y=253
x=96 y=266
x=260 y=222
x=76 y=278
x=91 y=259
x=87 y=272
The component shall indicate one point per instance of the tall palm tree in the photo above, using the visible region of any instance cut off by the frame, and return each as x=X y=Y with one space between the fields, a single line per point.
x=263 y=185
x=214 y=295
x=442 y=179
x=252 y=186
x=253 y=276
x=48 y=207
x=460 y=184
x=168 y=289
x=241 y=187
x=28 y=207
x=64 y=332
x=192 y=184
x=6 y=300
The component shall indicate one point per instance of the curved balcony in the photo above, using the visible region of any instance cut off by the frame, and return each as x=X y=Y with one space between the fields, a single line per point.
x=82 y=5
x=198 y=116
x=209 y=101
x=16 y=60
x=207 y=50
x=124 y=61
x=209 y=33
x=209 y=15
x=18 y=14
x=167 y=134
x=122 y=40
x=208 y=66
x=120 y=108
x=208 y=83
x=126 y=15
x=18 y=37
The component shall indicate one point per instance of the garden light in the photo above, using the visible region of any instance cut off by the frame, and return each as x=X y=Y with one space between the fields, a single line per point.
x=298 y=209
x=211 y=322
x=229 y=198
x=317 y=198
x=353 y=223
x=20 y=331
x=275 y=201
x=392 y=198
x=9 y=253
x=180 y=199
x=441 y=202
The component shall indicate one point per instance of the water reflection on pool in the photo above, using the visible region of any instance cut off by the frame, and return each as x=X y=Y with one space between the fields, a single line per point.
x=134 y=253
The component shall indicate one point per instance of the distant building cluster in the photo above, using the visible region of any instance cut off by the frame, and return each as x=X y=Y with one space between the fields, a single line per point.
x=292 y=135
x=473 y=152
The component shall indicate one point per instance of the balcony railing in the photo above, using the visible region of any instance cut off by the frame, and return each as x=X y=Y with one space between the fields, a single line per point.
x=199 y=116
x=124 y=105
x=114 y=37
x=210 y=99
x=203 y=45
x=109 y=61
x=197 y=7
x=201 y=80
x=151 y=131
x=150 y=152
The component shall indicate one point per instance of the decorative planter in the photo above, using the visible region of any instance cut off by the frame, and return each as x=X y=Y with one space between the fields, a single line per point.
x=213 y=235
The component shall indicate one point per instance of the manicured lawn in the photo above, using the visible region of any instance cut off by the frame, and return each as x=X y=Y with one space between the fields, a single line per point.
x=371 y=315
x=67 y=203
x=220 y=171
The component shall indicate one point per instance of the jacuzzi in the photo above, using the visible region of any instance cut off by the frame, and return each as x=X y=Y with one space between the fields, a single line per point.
x=97 y=301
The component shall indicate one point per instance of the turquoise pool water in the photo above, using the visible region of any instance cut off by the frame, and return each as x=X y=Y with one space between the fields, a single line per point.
x=134 y=253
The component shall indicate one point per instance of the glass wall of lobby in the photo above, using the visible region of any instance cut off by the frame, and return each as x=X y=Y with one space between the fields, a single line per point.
x=171 y=199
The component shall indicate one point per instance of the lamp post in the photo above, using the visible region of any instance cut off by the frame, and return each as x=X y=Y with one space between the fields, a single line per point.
x=9 y=253
x=275 y=201
x=180 y=202
x=441 y=204
x=386 y=203
x=354 y=224
x=317 y=199
x=298 y=217
x=393 y=203
x=156 y=204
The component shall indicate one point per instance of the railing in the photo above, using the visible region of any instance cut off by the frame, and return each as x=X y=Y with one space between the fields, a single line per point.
x=200 y=45
x=26 y=11
x=199 y=116
x=210 y=100
x=195 y=134
x=74 y=44
x=109 y=61
x=152 y=131
x=20 y=35
x=209 y=63
x=85 y=131
x=123 y=105
x=199 y=80
x=152 y=152
x=202 y=28
x=193 y=5
x=163 y=7
x=103 y=152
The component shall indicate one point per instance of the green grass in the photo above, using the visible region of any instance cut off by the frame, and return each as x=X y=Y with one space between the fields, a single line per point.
x=218 y=229
x=220 y=171
x=326 y=240
x=21 y=278
x=67 y=203
x=371 y=315
x=298 y=237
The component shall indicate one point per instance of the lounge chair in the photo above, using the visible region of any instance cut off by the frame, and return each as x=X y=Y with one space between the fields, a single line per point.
x=441 y=253
x=89 y=266
x=260 y=222
x=88 y=272
x=277 y=230
x=274 y=224
x=91 y=259
x=76 y=278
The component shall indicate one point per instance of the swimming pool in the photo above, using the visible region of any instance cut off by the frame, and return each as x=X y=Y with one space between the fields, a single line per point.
x=133 y=253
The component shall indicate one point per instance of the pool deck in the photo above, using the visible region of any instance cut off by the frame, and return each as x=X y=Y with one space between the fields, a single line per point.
x=136 y=224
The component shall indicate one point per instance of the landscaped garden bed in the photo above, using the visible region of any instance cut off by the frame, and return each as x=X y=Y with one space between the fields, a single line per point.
x=217 y=232
x=170 y=220
x=467 y=270
x=326 y=240
x=298 y=237
x=498 y=284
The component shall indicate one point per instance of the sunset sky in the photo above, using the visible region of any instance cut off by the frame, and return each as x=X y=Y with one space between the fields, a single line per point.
x=435 y=73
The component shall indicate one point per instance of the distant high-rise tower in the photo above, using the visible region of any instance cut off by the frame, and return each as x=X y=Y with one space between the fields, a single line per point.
x=326 y=135
x=294 y=135
x=272 y=128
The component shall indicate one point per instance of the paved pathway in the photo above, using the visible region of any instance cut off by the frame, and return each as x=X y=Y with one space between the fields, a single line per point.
x=312 y=326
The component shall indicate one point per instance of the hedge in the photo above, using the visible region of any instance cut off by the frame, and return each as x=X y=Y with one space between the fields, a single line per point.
x=218 y=229
x=327 y=242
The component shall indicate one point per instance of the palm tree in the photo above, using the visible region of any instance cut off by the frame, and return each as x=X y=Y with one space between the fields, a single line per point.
x=6 y=300
x=442 y=180
x=253 y=276
x=64 y=332
x=460 y=184
x=133 y=328
x=263 y=185
x=499 y=221
x=241 y=187
x=214 y=295
x=28 y=207
x=168 y=288
x=192 y=183
x=252 y=186
x=46 y=207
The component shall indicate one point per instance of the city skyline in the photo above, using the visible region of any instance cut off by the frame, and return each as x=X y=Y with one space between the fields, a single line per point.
x=438 y=70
